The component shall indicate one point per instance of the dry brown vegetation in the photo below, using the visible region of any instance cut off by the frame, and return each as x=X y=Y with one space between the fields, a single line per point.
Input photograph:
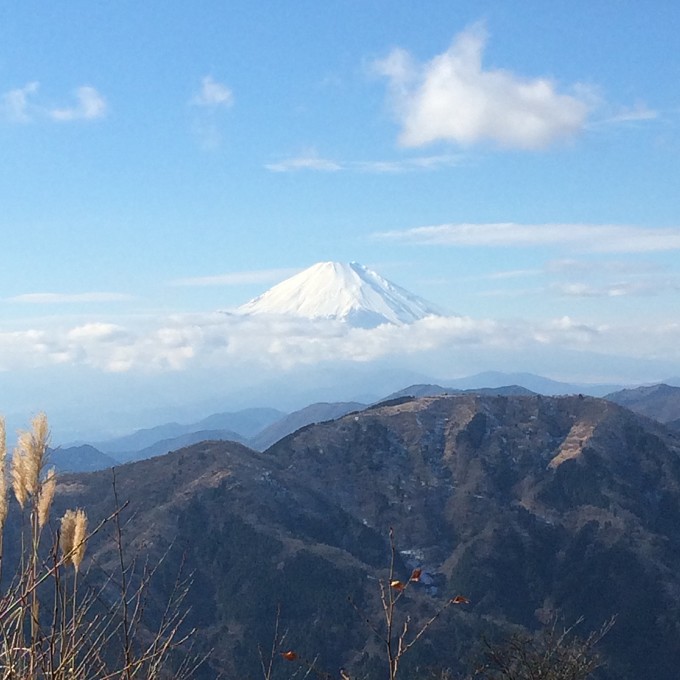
x=51 y=626
x=55 y=623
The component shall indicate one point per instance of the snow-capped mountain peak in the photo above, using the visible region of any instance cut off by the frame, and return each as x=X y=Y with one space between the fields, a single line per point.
x=348 y=292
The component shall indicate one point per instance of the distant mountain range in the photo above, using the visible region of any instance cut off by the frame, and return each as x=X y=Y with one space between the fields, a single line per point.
x=243 y=424
x=315 y=413
x=82 y=458
x=660 y=402
x=529 y=506
x=347 y=292
x=259 y=428
x=438 y=390
x=530 y=381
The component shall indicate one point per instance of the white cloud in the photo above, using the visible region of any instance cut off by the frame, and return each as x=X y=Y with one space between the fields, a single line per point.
x=16 y=105
x=68 y=298
x=567 y=332
x=115 y=349
x=514 y=274
x=237 y=278
x=594 y=238
x=311 y=161
x=306 y=161
x=454 y=98
x=637 y=113
x=599 y=265
x=616 y=289
x=265 y=344
x=213 y=94
x=89 y=106
x=20 y=105
x=595 y=277
x=207 y=102
x=408 y=164
x=97 y=331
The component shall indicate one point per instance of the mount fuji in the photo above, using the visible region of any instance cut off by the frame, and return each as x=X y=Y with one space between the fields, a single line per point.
x=347 y=292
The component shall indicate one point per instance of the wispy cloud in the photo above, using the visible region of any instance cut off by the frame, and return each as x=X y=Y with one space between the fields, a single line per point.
x=591 y=277
x=454 y=98
x=413 y=164
x=89 y=106
x=633 y=114
x=633 y=288
x=312 y=161
x=236 y=278
x=17 y=105
x=211 y=98
x=514 y=274
x=68 y=298
x=307 y=161
x=598 y=266
x=213 y=94
x=595 y=238
x=22 y=105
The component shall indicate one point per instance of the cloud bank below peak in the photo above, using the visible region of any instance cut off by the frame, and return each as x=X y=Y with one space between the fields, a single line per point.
x=215 y=341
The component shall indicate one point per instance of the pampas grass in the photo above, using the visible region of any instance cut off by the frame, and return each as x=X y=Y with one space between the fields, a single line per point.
x=48 y=627
x=4 y=505
x=29 y=459
x=73 y=537
x=46 y=496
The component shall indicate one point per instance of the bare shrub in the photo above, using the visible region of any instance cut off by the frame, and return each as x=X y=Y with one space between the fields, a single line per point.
x=556 y=653
x=50 y=625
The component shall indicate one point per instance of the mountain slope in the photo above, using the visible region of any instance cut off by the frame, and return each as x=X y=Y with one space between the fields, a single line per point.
x=166 y=445
x=347 y=292
x=536 y=383
x=314 y=413
x=437 y=390
x=527 y=505
x=247 y=422
x=83 y=458
x=242 y=424
x=660 y=402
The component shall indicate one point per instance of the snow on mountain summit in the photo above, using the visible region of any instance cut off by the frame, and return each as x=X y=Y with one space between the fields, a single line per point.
x=347 y=292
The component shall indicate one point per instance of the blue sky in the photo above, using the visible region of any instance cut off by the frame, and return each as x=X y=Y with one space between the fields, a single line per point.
x=515 y=163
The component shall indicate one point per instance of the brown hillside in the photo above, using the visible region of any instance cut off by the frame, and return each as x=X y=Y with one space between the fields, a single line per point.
x=527 y=505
